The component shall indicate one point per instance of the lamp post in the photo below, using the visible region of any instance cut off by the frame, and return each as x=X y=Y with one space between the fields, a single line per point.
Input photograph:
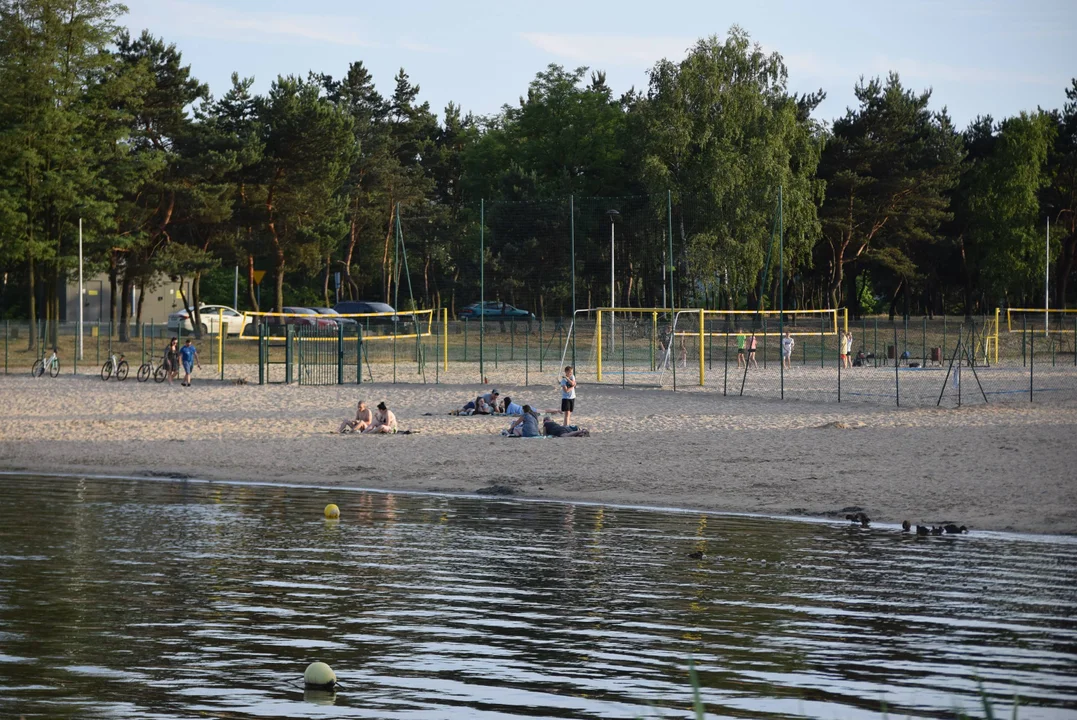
x=613 y=215
x=82 y=301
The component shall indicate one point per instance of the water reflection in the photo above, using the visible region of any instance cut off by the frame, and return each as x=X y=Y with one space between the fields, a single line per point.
x=160 y=599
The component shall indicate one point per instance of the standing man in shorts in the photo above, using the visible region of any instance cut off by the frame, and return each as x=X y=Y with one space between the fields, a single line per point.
x=741 y=339
x=188 y=356
x=568 y=393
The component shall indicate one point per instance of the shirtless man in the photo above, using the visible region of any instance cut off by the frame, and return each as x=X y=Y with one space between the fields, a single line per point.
x=363 y=419
x=384 y=421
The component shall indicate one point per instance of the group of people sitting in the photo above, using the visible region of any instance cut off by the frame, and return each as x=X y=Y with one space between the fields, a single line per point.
x=381 y=421
x=529 y=425
x=490 y=403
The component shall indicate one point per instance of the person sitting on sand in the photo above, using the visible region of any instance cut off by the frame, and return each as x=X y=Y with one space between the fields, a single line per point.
x=363 y=419
x=527 y=425
x=384 y=421
x=555 y=429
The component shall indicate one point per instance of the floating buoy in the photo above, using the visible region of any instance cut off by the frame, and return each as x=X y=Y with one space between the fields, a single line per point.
x=332 y=512
x=319 y=676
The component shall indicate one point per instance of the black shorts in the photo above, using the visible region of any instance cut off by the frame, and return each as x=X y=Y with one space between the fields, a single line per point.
x=740 y=351
x=568 y=404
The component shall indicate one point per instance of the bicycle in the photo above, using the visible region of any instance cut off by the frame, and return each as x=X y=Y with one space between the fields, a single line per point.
x=146 y=369
x=52 y=365
x=114 y=365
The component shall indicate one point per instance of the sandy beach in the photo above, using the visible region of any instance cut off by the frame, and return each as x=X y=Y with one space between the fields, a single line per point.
x=998 y=467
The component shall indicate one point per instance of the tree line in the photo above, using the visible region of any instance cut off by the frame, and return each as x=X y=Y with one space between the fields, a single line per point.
x=889 y=208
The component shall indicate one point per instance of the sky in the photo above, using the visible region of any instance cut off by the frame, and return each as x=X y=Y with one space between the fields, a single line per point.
x=979 y=57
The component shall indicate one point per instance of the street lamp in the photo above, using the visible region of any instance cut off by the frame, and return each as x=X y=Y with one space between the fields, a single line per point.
x=613 y=215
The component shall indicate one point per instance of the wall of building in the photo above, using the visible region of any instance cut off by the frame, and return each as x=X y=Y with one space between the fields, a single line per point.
x=162 y=297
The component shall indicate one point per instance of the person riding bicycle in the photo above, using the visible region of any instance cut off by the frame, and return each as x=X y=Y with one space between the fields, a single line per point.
x=171 y=360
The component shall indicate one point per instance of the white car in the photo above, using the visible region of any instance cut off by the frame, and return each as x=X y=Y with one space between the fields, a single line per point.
x=210 y=314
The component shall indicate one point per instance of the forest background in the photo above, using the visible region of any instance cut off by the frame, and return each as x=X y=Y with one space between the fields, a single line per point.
x=889 y=208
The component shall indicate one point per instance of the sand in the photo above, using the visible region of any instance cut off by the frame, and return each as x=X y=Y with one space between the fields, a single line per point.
x=999 y=467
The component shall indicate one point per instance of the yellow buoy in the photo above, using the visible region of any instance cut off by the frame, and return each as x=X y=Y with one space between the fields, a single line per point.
x=332 y=511
x=319 y=676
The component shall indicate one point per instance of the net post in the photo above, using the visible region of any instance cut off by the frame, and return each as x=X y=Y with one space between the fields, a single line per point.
x=702 y=320
x=923 y=343
x=897 y=376
x=527 y=358
x=1031 y=364
x=289 y=355
x=445 y=339
x=220 y=342
x=822 y=339
x=654 y=334
x=725 y=376
x=1024 y=341
x=598 y=343
x=845 y=320
x=623 y=354
x=340 y=354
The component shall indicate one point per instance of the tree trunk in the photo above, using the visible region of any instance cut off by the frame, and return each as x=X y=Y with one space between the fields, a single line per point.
x=33 y=308
x=279 y=279
x=138 y=306
x=387 y=268
x=113 y=271
x=251 y=284
x=125 y=307
x=894 y=298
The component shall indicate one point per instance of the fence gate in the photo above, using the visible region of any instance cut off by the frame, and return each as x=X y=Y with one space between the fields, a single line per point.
x=328 y=356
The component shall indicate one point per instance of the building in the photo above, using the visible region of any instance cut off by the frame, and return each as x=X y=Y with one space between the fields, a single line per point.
x=162 y=298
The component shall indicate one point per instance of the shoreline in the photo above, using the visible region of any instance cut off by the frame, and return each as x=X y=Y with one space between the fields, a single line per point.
x=1000 y=467
x=1065 y=537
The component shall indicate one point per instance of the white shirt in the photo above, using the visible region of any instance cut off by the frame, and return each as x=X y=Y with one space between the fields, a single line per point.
x=787 y=345
x=568 y=388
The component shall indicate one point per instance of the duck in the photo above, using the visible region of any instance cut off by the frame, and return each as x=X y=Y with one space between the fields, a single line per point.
x=936 y=530
x=859 y=517
x=905 y=526
x=953 y=529
x=923 y=530
x=697 y=555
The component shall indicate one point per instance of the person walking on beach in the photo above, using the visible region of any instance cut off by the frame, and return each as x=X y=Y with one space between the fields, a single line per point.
x=171 y=359
x=741 y=339
x=848 y=349
x=752 y=344
x=787 y=350
x=189 y=358
x=568 y=393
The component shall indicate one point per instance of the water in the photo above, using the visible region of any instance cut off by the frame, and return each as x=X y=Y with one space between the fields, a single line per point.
x=154 y=599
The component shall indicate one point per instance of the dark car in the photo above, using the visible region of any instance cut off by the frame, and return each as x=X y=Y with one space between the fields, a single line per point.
x=494 y=310
x=378 y=323
x=349 y=324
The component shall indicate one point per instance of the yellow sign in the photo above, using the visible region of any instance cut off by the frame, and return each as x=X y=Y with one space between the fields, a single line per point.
x=258 y=275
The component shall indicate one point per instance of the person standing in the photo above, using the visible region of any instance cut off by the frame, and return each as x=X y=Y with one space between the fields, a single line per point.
x=171 y=360
x=189 y=357
x=848 y=349
x=842 y=357
x=752 y=345
x=787 y=350
x=568 y=393
x=741 y=339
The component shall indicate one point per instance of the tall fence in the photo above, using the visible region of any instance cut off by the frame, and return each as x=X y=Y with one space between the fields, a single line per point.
x=918 y=362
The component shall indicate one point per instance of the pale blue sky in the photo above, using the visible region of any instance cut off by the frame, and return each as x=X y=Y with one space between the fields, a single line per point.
x=980 y=57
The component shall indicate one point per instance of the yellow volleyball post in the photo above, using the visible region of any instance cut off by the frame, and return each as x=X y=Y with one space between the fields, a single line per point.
x=701 y=320
x=996 y=335
x=220 y=342
x=845 y=317
x=598 y=343
x=654 y=334
x=445 y=338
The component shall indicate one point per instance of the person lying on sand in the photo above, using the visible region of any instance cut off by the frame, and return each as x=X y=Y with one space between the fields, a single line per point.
x=508 y=407
x=556 y=429
x=363 y=418
x=527 y=425
x=384 y=421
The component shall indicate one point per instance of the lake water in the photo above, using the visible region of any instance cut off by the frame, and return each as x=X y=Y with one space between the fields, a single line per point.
x=162 y=599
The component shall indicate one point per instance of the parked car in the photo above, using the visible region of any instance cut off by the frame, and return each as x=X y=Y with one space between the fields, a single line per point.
x=234 y=320
x=371 y=325
x=349 y=324
x=496 y=310
x=300 y=317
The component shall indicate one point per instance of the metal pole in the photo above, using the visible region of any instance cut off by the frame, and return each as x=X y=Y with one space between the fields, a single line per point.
x=81 y=290
x=1031 y=363
x=482 y=286
x=672 y=264
x=781 y=292
x=235 y=290
x=897 y=376
x=613 y=299
x=1047 y=281
x=527 y=356
x=725 y=377
x=572 y=247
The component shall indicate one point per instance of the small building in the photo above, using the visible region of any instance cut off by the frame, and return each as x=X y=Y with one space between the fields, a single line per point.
x=162 y=297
